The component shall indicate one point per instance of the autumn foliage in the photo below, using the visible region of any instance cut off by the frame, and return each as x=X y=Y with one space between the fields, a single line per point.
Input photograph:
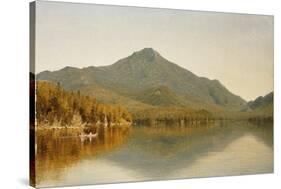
x=55 y=105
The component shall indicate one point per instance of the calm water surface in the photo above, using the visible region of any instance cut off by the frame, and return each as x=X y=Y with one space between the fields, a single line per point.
x=151 y=153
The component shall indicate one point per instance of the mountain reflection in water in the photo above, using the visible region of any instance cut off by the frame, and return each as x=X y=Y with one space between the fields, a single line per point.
x=150 y=153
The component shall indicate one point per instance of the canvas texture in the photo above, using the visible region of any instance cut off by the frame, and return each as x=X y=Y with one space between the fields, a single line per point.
x=127 y=94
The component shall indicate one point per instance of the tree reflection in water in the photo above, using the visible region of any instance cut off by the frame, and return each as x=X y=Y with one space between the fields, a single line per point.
x=62 y=148
x=156 y=152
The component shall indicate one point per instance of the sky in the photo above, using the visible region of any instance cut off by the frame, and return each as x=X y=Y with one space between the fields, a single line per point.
x=236 y=49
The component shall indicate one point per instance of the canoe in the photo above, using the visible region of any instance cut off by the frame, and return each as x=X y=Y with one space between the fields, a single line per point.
x=89 y=135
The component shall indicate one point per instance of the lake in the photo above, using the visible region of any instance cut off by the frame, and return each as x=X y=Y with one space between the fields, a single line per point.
x=144 y=153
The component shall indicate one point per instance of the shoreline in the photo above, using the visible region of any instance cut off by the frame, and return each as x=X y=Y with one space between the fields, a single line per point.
x=127 y=125
x=84 y=126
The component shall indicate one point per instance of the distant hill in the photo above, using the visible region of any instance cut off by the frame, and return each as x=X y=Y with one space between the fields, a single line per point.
x=146 y=79
x=262 y=104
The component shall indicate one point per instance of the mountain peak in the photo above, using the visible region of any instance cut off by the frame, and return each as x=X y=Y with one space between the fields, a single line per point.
x=148 y=54
x=147 y=50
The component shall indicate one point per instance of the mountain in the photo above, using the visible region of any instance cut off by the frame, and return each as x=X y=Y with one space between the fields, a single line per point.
x=139 y=76
x=160 y=96
x=262 y=103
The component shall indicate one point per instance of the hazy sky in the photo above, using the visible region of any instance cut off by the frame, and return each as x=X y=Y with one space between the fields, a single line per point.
x=233 y=48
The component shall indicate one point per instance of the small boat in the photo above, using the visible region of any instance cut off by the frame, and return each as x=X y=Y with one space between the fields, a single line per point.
x=90 y=135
